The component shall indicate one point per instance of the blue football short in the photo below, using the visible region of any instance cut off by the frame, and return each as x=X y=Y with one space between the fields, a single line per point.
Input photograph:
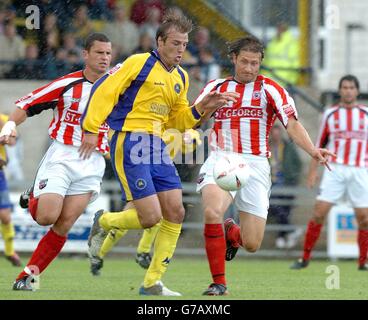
x=142 y=165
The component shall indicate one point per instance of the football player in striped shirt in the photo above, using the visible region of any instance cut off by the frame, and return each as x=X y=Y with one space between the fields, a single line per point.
x=6 y=226
x=65 y=183
x=344 y=130
x=141 y=98
x=243 y=128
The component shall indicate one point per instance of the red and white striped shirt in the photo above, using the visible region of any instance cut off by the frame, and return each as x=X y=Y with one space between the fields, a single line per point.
x=344 y=131
x=244 y=126
x=68 y=97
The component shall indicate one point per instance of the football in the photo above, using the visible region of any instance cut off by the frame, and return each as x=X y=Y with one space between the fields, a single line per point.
x=231 y=172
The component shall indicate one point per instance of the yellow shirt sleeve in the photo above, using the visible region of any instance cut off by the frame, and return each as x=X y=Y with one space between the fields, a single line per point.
x=106 y=91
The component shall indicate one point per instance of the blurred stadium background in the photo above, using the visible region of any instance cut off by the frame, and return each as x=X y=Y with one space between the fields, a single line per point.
x=325 y=41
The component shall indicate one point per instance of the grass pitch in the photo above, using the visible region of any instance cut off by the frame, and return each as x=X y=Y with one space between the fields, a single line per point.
x=248 y=279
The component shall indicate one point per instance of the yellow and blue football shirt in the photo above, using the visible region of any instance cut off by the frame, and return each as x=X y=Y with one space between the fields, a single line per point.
x=139 y=99
x=141 y=94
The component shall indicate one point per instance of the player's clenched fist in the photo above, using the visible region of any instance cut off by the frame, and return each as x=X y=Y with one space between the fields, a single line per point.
x=8 y=131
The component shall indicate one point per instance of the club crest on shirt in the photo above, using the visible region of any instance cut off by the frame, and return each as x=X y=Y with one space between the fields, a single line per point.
x=288 y=109
x=140 y=184
x=42 y=184
x=177 y=88
x=256 y=95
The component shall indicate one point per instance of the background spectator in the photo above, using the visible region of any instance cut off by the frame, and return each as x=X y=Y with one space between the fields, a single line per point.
x=70 y=43
x=73 y=61
x=81 y=24
x=152 y=23
x=140 y=8
x=200 y=41
x=282 y=52
x=12 y=47
x=100 y=9
x=57 y=67
x=210 y=69
x=123 y=33
x=50 y=35
x=7 y=14
x=29 y=67
x=145 y=43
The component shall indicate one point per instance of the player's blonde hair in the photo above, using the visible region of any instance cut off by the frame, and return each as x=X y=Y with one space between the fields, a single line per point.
x=173 y=20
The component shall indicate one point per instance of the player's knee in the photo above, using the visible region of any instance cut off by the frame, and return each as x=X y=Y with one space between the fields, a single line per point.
x=251 y=246
x=173 y=210
x=5 y=219
x=212 y=215
x=149 y=221
x=178 y=213
x=44 y=220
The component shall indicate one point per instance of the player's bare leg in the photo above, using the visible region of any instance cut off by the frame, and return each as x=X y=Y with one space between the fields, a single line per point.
x=248 y=235
x=49 y=207
x=51 y=244
x=149 y=210
x=362 y=219
x=215 y=203
x=314 y=228
x=252 y=230
x=73 y=207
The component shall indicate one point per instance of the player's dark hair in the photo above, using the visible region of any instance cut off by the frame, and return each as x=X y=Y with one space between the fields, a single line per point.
x=349 y=77
x=173 y=20
x=95 y=37
x=248 y=43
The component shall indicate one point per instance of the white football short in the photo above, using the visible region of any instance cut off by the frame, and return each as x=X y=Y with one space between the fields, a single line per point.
x=343 y=181
x=254 y=197
x=62 y=171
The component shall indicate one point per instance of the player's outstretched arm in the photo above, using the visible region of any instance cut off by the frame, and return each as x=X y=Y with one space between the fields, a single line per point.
x=312 y=177
x=300 y=136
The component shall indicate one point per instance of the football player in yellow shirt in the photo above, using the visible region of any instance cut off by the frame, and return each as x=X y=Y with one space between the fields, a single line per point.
x=186 y=144
x=139 y=99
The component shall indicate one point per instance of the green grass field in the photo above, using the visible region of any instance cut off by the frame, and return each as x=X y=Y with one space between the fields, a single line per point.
x=248 y=279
